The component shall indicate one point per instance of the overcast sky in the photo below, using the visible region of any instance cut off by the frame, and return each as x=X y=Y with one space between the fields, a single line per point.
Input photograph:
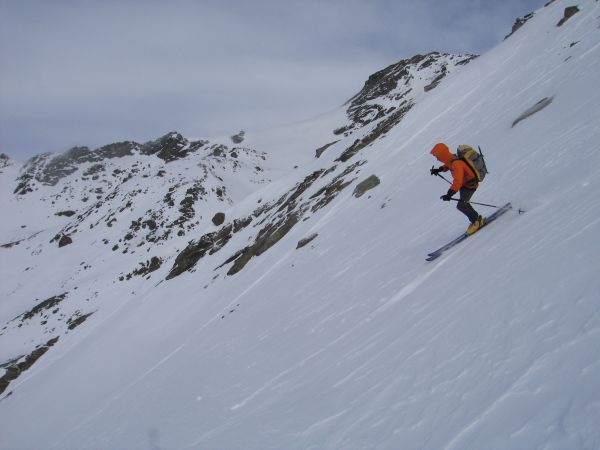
x=95 y=72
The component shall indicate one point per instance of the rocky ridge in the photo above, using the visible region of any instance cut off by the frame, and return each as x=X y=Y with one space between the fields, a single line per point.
x=399 y=86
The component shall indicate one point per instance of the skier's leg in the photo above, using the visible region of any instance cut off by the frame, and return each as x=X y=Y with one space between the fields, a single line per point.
x=465 y=207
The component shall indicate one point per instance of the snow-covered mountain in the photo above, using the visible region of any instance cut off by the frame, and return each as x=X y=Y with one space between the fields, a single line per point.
x=270 y=290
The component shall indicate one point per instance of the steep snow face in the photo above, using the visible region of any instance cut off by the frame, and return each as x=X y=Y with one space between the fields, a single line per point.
x=353 y=340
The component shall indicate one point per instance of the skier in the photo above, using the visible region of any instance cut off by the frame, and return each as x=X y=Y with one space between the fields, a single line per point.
x=464 y=180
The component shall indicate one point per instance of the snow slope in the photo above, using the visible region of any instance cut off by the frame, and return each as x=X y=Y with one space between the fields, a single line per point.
x=355 y=341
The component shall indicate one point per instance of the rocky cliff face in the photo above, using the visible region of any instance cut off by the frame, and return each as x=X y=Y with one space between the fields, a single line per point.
x=399 y=86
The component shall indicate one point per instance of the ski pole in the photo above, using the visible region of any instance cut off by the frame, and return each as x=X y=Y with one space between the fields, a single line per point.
x=442 y=177
x=476 y=203
x=520 y=211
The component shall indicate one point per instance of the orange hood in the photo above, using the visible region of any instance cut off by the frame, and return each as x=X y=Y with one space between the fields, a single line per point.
x=442 y=153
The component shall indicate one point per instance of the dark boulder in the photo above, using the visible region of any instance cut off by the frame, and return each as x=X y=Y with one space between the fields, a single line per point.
x=67 y=213
x=64 y=240
x=218 y=218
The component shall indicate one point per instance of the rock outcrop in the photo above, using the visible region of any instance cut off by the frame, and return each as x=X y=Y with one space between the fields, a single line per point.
x=570 y=11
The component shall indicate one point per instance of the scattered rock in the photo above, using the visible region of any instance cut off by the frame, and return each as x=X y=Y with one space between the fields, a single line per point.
x=219 y=150
x=14 y=368
x=519 y=22
x=366 y=185
x=77 y=319
x=67 y=213
x=570 y=11
x=327 y=193
x=64 y=240
x=146 y=267
x=289 y=203
x=535 y=108
x=186 y=206
x=320 y=150
x=209 y=243
x=218 y=218
x=40 y=307
x=436 y=81
x=381 y=129
x=150 y=223
x=238 y=138
x=307 y=240
x=266 y=238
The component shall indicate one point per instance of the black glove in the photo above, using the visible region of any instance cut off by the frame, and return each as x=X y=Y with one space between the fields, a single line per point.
x=435 y=171
x=448 y=196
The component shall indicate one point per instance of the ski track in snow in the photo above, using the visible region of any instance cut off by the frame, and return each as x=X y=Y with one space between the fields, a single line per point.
x=412 y=286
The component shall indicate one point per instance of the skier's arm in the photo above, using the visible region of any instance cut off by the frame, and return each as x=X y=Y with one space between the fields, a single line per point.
x=458 y=175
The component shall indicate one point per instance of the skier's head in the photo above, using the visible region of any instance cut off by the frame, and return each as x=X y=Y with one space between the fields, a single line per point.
x=442 y=153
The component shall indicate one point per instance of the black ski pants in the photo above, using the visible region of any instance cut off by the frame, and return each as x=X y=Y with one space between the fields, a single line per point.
x=464 y=206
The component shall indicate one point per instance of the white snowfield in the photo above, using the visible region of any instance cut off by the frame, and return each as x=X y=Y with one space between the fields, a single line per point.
x=354 y=341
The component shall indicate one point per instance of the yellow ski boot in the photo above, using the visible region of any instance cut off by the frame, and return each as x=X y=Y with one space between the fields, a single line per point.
x=479 y=223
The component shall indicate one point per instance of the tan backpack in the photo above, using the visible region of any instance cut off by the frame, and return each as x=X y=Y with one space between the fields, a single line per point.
x=474 y=160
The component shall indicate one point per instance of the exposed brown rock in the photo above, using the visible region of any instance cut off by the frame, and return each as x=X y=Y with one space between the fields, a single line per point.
x=218 y=218
x=366 y=185
x=306 y=241
x=570 y=11
x=266 y=238
x=14 y=369
x=65 y=240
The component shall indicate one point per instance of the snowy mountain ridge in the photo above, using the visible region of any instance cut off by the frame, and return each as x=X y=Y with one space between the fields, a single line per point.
x=304 y=315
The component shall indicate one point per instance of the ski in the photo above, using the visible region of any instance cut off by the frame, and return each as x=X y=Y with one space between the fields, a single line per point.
x=433 y=255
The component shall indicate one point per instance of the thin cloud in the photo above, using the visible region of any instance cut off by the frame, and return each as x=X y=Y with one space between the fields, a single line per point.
x=90 y=72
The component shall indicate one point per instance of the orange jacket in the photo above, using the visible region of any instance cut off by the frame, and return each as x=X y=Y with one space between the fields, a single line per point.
x=462 y=174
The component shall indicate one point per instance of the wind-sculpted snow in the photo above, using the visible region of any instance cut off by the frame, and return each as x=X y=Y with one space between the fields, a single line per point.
x=308 y=317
